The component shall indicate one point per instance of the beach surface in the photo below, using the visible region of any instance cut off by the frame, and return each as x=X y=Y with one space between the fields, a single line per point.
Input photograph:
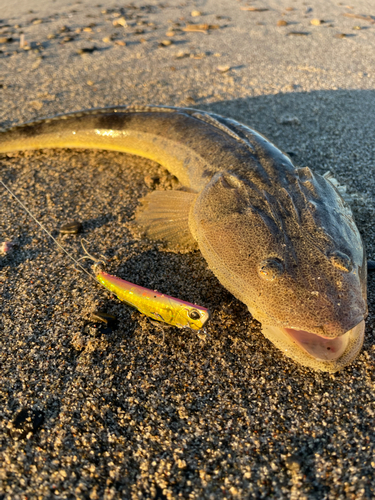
x=94 y=412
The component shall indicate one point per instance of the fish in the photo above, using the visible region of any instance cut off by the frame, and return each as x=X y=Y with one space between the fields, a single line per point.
x=280 y=238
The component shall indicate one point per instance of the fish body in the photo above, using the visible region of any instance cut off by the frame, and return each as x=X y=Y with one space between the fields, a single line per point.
x=279 y=238
x=156 y=305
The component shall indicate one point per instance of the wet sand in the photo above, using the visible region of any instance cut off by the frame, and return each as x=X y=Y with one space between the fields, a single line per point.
x=97 y=413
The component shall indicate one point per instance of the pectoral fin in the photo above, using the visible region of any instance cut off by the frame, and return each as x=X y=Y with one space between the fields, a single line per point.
x=164 y=215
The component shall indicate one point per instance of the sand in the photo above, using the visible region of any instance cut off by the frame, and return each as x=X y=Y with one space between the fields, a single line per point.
x=95 y=413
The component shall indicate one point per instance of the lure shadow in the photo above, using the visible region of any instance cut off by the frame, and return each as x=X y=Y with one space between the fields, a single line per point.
x=171 y=274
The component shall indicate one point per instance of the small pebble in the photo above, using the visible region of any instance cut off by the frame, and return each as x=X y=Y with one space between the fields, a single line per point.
x=120 y=42
x=316 y=22
x=282 y=22
x=297 y=33
x=341 y=35
x=294 y=462
x=181 y=54
x=254 y=9
x=86 y=50
x=165 y=43
x=223 y=69
x=36 y=104
x=196 y=13
x=196 y=28
x=289 y=120
x=71 y=228
x=6 y=247
x=120 y=22
x=201 y=55
x=67 y=39
x=6 y=39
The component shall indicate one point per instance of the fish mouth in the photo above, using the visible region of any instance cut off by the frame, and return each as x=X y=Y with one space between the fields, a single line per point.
x=321 y=348
x=315 y=351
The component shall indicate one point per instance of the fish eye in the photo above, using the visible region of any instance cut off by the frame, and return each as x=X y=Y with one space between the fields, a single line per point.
x=194 y=314
x=270 y=269
x=341 y=261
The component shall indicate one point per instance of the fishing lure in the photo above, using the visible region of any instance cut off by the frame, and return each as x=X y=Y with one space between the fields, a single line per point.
x=156 y=305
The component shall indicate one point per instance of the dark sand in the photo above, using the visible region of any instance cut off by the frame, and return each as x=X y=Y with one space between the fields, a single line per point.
x=122 y=415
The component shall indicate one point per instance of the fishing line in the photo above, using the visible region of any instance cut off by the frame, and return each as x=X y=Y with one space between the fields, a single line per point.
x=46 y=231
x=152 y=300
x=88 y=256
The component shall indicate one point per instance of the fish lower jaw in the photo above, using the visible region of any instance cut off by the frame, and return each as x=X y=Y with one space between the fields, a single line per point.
x=321 y=348
x=314 y=351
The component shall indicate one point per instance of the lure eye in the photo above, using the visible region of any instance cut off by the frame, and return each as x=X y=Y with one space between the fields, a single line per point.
x=341 y=261
x=270 y=269
x=194 y=314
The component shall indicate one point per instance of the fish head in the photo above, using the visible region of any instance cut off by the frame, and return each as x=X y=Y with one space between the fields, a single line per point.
x=289 y=250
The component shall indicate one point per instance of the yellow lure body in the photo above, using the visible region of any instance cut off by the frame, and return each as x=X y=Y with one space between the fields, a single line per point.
x=156 y=305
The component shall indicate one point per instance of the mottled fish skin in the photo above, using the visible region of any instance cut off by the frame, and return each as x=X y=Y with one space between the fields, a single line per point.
x=281 y=239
